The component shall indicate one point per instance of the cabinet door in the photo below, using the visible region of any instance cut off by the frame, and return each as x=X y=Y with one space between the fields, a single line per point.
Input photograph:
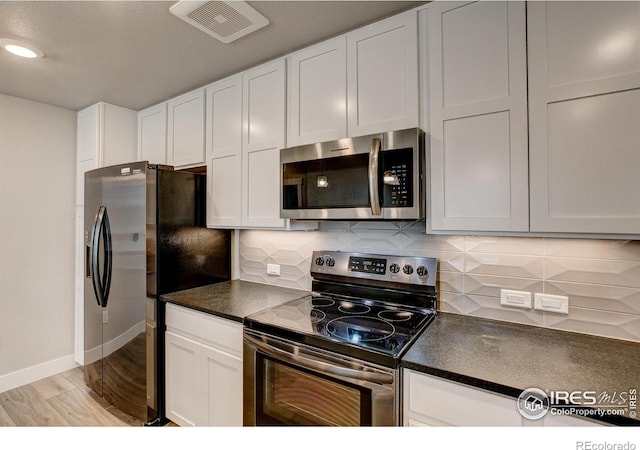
x=224 y=152
x=88 y=133
x=435 y=401
x=262 y=138
x=88 y=146
x=382 y=76
x=318 y=93
x=222 y=388
x=584 y=108
x=478 y=116
x=118 y=135
x=152 y=134
x=185 y=130
x=183 y=359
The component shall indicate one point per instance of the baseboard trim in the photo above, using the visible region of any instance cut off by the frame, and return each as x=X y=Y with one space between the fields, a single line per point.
x=34 y=373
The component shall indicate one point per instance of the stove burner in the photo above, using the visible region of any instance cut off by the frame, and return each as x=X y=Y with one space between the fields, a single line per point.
x=322 y=302
x=316 y=315
x=395 y=315
x=353 y=308
x=357 y=329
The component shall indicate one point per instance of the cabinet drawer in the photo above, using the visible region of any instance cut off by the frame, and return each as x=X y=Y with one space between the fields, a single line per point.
x=214 y=331
x=454 y=404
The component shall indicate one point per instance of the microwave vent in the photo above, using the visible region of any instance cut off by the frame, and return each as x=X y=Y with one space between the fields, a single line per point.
x=225 y=21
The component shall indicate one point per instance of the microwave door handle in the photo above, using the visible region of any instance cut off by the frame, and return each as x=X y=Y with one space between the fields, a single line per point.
x=319 y=366
x=374 y=192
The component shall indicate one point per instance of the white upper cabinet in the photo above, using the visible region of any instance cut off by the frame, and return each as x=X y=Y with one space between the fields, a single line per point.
x=584 y=110
x=106 y=135
x=263 y=135
x=478 y=116
x=224 y=152
x=317 y=86
x=185 y=130
x=89 y=133
x=382 y=75
x=152 y=134
x=360 y=83
x=245 y=131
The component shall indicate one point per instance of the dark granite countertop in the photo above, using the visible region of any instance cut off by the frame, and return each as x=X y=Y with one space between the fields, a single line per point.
x=508 y=358
x=233 y=300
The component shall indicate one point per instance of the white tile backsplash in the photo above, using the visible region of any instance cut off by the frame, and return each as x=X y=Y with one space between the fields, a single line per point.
x=601 y=277
x=490 y=308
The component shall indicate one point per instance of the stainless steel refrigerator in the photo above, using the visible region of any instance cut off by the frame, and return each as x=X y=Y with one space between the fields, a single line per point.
x=145 y=236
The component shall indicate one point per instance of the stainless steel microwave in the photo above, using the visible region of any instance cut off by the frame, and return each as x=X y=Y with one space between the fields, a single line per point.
x=367 y=177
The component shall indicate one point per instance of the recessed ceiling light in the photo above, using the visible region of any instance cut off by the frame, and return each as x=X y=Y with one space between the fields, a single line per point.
x=20 y=48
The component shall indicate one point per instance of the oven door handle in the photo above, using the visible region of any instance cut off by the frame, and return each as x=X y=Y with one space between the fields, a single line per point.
x=319 y=366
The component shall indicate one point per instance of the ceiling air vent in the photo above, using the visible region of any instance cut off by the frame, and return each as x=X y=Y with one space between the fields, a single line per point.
x=225 y=21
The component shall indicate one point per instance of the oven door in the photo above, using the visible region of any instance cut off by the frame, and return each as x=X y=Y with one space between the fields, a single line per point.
x=286 y=383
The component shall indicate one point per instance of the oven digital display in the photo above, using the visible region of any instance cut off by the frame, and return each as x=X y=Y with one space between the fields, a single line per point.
x=368 y=265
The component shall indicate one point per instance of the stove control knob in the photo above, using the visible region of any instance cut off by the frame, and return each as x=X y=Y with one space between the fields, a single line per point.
x=422 y=271
x=394 y=268
x=329 y=261
x=407 y=269
x=319 y=261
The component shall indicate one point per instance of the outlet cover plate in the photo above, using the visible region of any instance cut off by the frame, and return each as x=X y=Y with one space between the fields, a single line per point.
x=273 y=269
x=517 y=299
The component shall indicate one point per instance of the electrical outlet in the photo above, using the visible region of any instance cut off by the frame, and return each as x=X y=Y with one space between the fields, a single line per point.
x=105 y=316
x=518 y=299
x=273 y=269
x=553 y=303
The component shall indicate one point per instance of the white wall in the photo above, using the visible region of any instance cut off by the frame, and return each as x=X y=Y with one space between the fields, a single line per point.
x=37 y=211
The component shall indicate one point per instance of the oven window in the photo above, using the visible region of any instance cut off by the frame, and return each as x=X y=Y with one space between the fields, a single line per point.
x=287 y=395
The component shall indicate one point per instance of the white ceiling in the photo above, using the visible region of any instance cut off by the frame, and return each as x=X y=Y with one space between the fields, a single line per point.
x=136 y=53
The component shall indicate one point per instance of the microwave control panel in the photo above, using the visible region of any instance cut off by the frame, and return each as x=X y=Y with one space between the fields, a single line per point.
x=398 y=178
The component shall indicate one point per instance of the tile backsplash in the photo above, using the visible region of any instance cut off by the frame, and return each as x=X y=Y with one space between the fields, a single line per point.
x=600 y=277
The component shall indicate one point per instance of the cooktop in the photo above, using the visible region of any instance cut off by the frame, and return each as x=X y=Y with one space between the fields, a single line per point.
x=361 y=306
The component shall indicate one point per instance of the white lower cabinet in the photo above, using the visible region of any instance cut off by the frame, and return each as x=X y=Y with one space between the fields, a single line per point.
x=434 y=401
x=203 y=369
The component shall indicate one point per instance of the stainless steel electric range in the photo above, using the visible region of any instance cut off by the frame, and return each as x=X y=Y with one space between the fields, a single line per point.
x=332 y=357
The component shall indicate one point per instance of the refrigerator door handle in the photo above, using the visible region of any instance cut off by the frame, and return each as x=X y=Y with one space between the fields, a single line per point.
x=101 y=279
x=108 y=259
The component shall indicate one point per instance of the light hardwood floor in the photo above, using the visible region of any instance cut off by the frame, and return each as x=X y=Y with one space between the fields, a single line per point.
x=58 y=401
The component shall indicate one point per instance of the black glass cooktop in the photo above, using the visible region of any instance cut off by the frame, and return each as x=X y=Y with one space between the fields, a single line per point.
x=373 y=330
